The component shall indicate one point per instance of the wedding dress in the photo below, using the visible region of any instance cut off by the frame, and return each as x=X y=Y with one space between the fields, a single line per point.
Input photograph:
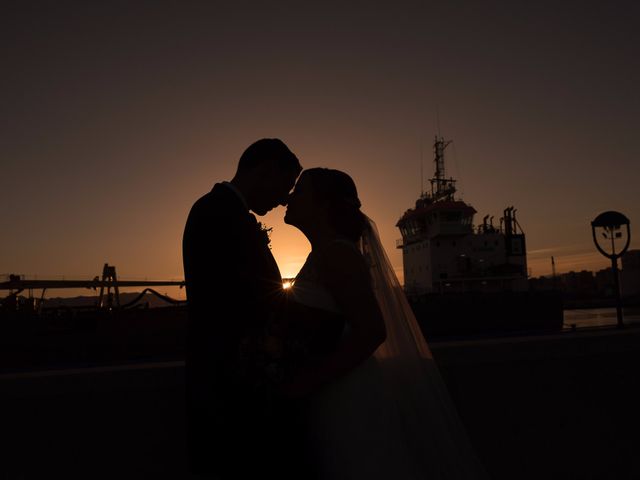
x=391 y=417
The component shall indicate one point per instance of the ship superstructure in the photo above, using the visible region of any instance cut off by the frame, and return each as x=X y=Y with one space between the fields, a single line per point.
x=443 y=251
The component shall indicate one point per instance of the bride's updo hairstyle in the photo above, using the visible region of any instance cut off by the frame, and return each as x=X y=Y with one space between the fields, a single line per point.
x=338 y=191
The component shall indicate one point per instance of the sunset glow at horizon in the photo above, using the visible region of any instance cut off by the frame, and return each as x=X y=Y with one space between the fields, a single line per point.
x=117 y=120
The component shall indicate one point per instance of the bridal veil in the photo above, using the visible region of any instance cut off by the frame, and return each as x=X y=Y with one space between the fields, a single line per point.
x=432 y=432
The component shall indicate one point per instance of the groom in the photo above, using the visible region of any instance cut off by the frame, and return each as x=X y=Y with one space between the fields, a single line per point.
x=233 y=285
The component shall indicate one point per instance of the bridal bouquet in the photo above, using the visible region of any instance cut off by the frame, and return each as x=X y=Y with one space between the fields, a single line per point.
x=269 y=356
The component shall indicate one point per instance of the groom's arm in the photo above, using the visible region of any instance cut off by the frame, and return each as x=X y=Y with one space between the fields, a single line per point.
x=214 y=260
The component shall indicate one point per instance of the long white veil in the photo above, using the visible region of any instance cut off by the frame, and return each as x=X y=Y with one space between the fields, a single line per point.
x=430 y=423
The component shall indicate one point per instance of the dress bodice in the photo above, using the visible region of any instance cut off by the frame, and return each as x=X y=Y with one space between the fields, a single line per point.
x=323 y=322
x=308 y=289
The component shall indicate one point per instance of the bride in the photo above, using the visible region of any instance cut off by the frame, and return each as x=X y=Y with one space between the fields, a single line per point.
x=378 y=408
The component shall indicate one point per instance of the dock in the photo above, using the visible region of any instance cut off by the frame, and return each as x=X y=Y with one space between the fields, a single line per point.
x=538 y=406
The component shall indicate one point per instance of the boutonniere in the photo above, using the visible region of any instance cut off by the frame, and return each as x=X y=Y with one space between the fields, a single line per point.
x=265 y=233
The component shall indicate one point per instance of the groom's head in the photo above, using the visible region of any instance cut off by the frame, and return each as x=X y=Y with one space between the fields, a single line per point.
x=266 y=173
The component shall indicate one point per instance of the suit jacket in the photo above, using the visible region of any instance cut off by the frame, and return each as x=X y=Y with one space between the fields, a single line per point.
x=233 y=285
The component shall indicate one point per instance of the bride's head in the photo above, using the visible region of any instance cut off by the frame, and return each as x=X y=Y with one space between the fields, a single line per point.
x=326 y=199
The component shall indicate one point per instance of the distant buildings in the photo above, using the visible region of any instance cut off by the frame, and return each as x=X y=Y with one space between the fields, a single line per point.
x=604 y=282
x=630 y=277
x=586 y=284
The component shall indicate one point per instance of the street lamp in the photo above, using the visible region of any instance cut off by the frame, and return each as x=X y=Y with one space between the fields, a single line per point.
x=609 y=226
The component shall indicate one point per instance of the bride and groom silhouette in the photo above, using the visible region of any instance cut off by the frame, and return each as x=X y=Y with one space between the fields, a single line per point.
x=330 y=379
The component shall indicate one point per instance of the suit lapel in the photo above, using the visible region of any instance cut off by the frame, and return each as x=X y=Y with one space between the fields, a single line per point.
x=266 y=267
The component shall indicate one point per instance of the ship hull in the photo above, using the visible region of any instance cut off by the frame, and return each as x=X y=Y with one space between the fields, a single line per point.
x=464 y=314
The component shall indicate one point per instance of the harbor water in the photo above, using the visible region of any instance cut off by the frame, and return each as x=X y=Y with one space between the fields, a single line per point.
x=599 y=317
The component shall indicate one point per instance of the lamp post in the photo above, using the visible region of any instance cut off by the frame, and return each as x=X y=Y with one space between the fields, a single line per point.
x=609 y=225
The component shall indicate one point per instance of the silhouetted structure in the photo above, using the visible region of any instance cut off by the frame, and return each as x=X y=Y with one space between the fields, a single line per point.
x=443 y=252
x=630 y=275
x=465 y=279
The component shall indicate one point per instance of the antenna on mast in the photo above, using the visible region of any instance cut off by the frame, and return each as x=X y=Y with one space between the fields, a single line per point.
x=421 y=170
x=444 y=188
x=438 y=120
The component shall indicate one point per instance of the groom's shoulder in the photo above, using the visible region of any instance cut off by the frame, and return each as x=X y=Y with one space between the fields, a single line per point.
x=217 y=202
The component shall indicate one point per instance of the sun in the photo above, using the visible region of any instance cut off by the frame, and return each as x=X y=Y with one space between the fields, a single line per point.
x=287 y=284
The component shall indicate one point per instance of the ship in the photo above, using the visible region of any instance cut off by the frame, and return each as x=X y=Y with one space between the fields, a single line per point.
x=466 y=279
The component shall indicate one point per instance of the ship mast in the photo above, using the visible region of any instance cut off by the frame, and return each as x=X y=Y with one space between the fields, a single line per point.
x=442 y=188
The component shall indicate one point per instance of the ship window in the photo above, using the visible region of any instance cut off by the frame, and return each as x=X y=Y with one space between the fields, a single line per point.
x=452 y=216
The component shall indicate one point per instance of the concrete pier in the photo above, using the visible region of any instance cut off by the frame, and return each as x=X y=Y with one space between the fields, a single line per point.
x=553 y=406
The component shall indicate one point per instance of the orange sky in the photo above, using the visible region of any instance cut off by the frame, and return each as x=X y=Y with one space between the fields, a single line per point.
x=117 y=119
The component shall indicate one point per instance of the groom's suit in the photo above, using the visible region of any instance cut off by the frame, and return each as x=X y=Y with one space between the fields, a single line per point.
x=233 y=285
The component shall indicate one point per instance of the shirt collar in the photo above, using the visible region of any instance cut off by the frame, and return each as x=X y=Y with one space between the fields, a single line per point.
x=237 y=192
